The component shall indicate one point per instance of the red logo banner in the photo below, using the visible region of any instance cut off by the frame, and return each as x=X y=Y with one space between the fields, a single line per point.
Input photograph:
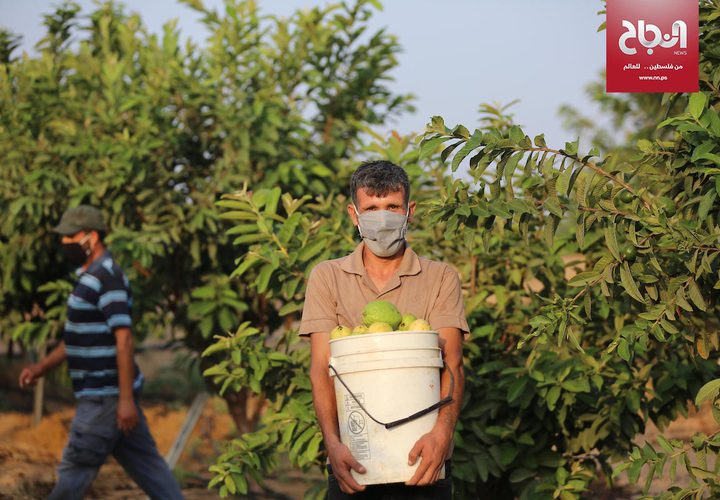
x=652 y=46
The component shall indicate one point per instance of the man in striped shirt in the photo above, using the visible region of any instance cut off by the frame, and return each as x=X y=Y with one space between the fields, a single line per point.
x=98 y=346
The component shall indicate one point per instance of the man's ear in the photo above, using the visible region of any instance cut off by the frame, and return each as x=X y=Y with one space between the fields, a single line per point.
x=93 y=239
x=411 y=209
x=352 y=214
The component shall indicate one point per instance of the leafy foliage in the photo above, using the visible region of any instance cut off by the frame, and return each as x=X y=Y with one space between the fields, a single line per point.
x=590 y=290
x=153 y=131
x=590 y=278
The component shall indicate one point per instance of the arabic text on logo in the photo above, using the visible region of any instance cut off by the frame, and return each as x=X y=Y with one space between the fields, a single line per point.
x=666 y=41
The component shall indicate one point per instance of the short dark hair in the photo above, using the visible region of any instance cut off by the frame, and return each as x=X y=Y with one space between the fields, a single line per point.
x=379 y=178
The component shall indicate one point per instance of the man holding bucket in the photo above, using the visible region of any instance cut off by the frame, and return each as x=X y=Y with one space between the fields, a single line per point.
x=384 y=267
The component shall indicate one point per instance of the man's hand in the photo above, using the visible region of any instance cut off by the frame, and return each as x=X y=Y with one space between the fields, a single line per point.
x=432 y=448
x=342 y=461
x=127 y=415
x=30 y=375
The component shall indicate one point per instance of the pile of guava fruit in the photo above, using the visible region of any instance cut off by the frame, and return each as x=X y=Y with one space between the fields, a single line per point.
x=380 y=316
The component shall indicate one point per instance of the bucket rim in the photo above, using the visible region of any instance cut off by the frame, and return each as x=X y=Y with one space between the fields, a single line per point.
x=378 y=350
x=349 y=367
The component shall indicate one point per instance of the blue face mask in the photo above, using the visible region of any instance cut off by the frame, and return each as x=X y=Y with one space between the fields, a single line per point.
x=383 y=231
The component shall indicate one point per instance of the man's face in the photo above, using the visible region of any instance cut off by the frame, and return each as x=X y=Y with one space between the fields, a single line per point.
x=394 y=202
x=87 y=239
x=75 y=238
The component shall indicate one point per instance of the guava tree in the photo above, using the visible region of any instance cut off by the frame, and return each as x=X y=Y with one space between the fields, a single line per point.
x=153 y=130
x=288 y=237
x=623 y=341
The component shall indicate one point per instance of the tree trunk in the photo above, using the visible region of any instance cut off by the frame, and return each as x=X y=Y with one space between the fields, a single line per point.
x=39 y=392
x=245 y=408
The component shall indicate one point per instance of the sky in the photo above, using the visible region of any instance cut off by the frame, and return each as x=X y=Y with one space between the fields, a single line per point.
x=457 y=54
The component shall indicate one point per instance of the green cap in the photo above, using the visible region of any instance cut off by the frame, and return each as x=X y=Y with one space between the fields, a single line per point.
x=80 y=218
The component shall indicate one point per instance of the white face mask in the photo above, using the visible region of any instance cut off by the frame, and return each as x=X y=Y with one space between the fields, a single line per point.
x=383 y=231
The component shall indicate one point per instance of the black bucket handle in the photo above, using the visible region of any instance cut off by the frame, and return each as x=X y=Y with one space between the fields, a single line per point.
x=389 y=425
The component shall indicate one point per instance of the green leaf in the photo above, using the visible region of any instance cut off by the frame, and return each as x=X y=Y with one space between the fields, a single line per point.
x=204 y=292
x=461 y=132
x=241 y=484
x=644 y=145
x=508 y=453
x=519 y=475
x=708 y=392
x=611 y=241
x=238 y=215
x=620 y=469
x=623 y=350
x=230 y=485
x=587 y=303
x=664 y=443
x=272 y=201
x=696 y=104
x=246 y=264
x=705 y=474
x=710 y=157
x=696 y=295
x=667 y=326
x=573 y=178
x=516 y=389
x=634 y=470
x=571 y=148
x=682 y=301
x=516 y=134
x=628 y=283
x=449 y=149
x=428 y=147
x=706 y=204
x=552 y=397
x=263 y=279
x=249 y=238
x=290 y=307
x=553 y=206
x=469 y=146
x=583 y=278
x=311 y=250
x=576 y=385
x=551 y=225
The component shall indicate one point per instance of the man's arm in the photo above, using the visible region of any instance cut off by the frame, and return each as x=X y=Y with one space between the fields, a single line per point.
x=323 y=392
x=31 y=374
x=127 y=416
x=433 y=446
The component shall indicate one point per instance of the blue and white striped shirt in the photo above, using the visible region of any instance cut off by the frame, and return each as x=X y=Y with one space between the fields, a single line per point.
x=98 y=305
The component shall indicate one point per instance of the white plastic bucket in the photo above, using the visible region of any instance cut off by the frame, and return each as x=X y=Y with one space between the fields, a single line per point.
x=385 y=376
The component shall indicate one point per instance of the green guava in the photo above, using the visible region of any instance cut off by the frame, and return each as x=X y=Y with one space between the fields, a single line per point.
x=419 y=325
x=359 y=330
x=379 y=327
x=340 y=331
x=381 y=311
x=406 y=320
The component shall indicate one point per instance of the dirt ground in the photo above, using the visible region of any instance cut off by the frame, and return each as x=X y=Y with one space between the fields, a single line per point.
x=29 y=455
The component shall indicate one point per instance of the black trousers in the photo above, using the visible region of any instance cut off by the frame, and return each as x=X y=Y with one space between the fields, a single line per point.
x=441 y=490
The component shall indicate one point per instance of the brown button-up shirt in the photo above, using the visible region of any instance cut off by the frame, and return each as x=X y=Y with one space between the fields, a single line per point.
x=339 y=289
